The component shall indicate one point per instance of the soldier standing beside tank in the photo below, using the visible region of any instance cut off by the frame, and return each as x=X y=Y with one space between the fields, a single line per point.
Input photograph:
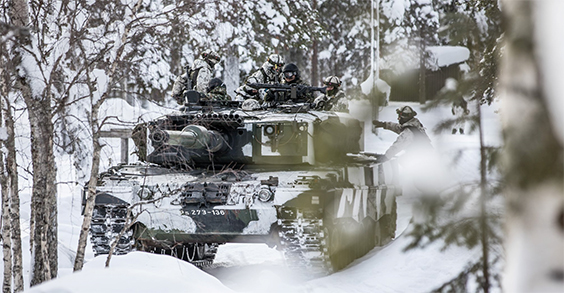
x=335 y=99
x=459 y=110
x=197 y=77
x=216 y=91
x=412 y=135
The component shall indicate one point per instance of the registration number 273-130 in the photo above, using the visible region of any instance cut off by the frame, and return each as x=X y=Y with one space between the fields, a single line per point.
x=205 y=212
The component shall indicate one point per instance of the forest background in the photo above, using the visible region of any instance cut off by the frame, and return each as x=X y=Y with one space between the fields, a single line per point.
x=60 y=60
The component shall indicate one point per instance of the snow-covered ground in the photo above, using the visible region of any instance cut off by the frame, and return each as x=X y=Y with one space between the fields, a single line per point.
x=258 y=268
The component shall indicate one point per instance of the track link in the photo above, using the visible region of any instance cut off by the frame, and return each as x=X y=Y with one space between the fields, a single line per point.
x=304 y=242
x=109 y=220
x=107 y=223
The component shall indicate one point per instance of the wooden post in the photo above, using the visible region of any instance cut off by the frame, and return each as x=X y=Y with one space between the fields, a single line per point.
x=125 y=135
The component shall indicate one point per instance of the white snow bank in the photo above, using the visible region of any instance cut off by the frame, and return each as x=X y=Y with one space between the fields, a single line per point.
x=135 y=272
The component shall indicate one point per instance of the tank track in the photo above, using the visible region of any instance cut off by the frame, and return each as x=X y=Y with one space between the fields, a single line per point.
x=107 y=223
x=109 y=220
x=199 y=254
x=304 y=241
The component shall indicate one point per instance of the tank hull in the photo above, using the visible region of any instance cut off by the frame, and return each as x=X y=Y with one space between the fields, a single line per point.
x=295 y=181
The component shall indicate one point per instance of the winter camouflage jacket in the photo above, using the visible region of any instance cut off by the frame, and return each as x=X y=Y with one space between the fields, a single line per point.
x=411 y=134
x=218 y=94
x=337 y=102
x=265 y=76
x=204 y=73
x=179 y=87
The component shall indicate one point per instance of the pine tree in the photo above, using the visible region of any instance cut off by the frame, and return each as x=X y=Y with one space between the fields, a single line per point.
x=451 y=217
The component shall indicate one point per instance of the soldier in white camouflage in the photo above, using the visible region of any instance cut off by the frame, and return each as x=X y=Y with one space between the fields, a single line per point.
x=246 y=92
x=270 y=70
x=201 y=72
x=268 y=73
x=335 y=99
x=412 y=135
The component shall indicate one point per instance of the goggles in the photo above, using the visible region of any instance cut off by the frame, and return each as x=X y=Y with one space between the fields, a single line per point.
x=289 y=74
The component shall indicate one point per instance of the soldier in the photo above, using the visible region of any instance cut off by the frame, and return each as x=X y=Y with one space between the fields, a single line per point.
x=335 y=99
x=246 y=92
x=459 y=110
x=291 y=75
x=411 y=133
x=270 y=70
x=201 y=73
x=268 y=73
x=216 y=91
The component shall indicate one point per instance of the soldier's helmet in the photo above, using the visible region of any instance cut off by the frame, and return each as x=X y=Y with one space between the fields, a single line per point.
x=273 y=64
x=250 y=105
x=332 y=81
x=406 y=112
x=211 y=56
x=248 y=89
x=290 y=70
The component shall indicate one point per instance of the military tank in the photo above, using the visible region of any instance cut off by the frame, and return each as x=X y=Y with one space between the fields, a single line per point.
x=214 y=173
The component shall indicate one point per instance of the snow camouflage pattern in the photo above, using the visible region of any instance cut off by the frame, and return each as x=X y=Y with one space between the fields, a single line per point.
x=246 y=92
x=218 y=94
x=205 y=73
x=285 y=176
x=179 y=87
x=337 y=102
x=411 y=134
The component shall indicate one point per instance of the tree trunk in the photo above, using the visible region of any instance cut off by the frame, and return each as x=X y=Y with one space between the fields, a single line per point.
x=533 y=153
x=12 y=170
x=422 y=77
x=91 y=196
x=314 y=57
x=231 y=76
x=6 y=225
x=43 y=220
x=43 y=198
x=484 y=229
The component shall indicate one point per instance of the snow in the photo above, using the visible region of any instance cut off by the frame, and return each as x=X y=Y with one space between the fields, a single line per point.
x=447 y=55
x=256 y=267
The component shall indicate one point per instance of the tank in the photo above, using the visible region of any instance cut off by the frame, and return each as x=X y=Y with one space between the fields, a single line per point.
x=213 y=173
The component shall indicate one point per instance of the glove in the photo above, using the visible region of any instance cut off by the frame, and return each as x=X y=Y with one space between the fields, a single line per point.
x=378 y=123
x=381 y=159
x=269 y=96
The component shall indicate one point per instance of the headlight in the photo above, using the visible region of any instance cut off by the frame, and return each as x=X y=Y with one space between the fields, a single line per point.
x=269 y=130
x=302 y=128
x=145 y=193
x=265 y=194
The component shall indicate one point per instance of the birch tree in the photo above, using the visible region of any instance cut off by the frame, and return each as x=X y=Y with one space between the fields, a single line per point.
x=6 y=223
x=36 y=77
x=127 y=42
x=531 y=88
x=11 y=214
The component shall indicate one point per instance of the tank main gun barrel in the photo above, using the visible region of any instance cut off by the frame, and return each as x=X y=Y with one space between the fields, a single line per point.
x=191 y=137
